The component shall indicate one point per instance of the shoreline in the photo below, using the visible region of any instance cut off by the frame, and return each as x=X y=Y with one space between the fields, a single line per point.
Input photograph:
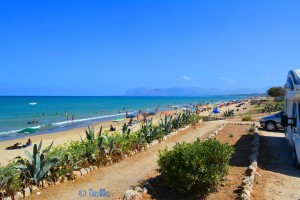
x=53 y=115
x=66 y=136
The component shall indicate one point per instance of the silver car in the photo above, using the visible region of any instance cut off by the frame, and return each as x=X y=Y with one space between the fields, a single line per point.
x=272 y=122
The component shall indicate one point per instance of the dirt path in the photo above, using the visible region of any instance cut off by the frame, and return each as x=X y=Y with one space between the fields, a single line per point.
x=239 y=137
x=279 y=180
x=121 y=176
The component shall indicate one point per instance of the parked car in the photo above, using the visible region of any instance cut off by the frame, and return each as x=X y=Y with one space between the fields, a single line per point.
x=272 y=122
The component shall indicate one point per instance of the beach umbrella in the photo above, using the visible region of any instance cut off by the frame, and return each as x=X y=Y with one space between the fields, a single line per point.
x=152 y=113
x=145 y=114
x=118 y=120
x=131 y=116
x=29 y=130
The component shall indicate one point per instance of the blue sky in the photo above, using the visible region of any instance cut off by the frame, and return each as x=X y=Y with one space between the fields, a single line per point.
x=107 y=47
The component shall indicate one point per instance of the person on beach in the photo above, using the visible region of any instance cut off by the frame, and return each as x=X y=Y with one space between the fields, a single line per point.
x=15 y=146
x=130 y=121
x=112 y=128
x=28 y=143
x=73 y=117
x=67 y=116
x=34 y=121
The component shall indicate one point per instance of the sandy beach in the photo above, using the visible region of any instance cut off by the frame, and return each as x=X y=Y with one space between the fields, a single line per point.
x=62 y=137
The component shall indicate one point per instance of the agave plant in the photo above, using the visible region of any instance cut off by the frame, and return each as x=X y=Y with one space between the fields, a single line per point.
x=228 y=113
x=38 y=164
x=90 y=134
x=125 y=129
x=166 y=125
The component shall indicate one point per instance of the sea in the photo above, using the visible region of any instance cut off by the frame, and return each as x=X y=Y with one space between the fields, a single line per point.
x=55 y=113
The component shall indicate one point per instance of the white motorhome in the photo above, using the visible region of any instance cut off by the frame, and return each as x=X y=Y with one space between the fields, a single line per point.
x=291 y=118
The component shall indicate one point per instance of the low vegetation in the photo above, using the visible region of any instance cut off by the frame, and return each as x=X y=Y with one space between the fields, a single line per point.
x=273 y=107
x=58 y=163
x=195 y=167
x=228 y=113
x=247 y=118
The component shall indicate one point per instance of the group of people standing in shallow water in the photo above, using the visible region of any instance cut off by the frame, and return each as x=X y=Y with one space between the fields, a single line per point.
x=67 y=115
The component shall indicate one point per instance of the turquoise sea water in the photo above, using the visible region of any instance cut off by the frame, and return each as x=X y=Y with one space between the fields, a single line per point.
x=50 y=112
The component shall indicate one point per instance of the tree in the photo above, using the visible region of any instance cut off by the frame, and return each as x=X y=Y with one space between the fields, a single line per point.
x=276 y=91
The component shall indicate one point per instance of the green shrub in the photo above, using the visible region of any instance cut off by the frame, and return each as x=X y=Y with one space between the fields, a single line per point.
x=10 y=179
x=273 y=107
x=228 y=113
x=38 y=164
x=252 y=128
x=197 y=166
x=247 y=118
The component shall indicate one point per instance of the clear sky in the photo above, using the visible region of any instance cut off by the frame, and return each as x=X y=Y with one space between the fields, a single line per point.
x=106 y=47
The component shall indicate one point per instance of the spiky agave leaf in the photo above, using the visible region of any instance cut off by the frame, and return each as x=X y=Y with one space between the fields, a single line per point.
x=46 y=167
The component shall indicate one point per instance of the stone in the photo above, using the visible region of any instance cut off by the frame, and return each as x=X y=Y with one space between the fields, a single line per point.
x=245 y=180
x=254 y=164
x=18 y=196
x=87 y=169
x=91 y=168
x=251 y=178
x=76 y=173
x=50 y=183
x=247 y=192
x=45 y=184
x=26 y=192
x=38 y=193
x=145 y=191
x=40 y=184
x=33 y=188
x=138 y=189
x=165 y=137
x=251 y=169
x=58 y=182
x=96 y=167
x=7 y=198
x=248 y=187
x=83 y=172
x=132 y=195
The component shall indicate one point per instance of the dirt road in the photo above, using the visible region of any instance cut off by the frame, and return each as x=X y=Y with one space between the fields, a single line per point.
x=279 y=180
x=119 y=177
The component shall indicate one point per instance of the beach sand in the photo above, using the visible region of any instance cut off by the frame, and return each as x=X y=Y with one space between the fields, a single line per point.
x=62 y=137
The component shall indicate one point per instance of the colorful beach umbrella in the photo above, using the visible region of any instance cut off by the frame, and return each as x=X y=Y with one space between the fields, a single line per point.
x=118 y=120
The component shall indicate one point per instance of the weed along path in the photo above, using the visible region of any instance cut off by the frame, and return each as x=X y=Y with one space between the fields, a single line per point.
x=119 y=177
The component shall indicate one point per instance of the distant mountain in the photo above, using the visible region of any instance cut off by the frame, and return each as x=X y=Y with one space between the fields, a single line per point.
x=189 y=91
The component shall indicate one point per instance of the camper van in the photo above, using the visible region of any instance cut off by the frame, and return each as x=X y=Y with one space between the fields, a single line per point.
x=291 y=119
